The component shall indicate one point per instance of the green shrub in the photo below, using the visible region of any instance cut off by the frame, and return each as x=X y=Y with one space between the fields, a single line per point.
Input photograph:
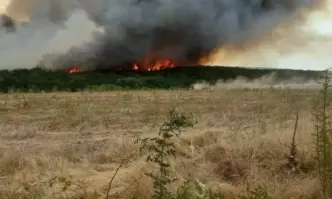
x=130 y=82
x=323 y=139
x=160 y=148
x=103 y=87
x=35 y=80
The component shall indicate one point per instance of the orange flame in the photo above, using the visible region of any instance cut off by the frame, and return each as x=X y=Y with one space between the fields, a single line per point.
x=158 y=65
x=74 y=69
x=146 y=66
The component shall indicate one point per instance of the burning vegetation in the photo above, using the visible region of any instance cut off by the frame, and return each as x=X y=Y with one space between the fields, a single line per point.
x=75 y=69
x=139 y=35
x=157 y=65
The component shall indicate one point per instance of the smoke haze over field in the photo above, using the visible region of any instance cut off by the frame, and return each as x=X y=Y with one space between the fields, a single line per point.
x=266 y=81
x=94 y=33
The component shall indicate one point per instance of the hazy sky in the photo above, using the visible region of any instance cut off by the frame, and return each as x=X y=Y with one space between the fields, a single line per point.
x=306 y=45
x=3 y=5
x=301 y=46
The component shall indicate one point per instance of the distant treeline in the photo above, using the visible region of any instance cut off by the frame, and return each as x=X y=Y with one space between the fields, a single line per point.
x=35 y=80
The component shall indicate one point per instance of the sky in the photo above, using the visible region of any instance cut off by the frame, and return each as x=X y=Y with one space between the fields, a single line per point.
x=306 y=46
x=3 y=5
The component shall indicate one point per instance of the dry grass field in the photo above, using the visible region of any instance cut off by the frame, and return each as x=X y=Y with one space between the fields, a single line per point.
x=68 y=145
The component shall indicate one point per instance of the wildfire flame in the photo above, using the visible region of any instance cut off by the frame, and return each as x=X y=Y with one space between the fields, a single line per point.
x=158 y=65
x=74 y=69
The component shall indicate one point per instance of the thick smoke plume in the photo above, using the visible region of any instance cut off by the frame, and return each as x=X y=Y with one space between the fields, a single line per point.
x=305 y=44
x=105 y=33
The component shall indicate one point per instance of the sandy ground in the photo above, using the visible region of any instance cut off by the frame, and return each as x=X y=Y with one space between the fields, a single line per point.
x=242 y=137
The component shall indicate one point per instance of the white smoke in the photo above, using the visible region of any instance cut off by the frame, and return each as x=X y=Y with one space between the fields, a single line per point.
x=265 y=82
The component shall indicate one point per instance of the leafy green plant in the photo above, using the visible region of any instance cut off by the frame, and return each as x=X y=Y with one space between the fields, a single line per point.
x=323 y=144
x=190 y=190
x=160 y=147
x=195 y=190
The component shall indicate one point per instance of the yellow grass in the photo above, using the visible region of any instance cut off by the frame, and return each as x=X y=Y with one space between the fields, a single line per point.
x=242 y=137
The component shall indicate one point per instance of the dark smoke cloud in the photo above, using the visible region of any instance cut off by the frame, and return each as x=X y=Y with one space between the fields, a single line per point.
x=183 y=30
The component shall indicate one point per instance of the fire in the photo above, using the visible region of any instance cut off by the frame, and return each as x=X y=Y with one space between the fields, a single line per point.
x=157 y=65
x=300 y=44
x=145 y=65
x=74 y=69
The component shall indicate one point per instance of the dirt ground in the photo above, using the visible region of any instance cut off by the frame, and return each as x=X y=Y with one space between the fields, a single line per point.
x=61 y=145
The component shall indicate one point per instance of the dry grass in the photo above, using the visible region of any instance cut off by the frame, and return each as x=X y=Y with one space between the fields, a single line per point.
x=243 y=137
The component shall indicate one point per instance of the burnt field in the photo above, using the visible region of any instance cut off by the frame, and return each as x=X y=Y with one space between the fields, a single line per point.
x=35 y=80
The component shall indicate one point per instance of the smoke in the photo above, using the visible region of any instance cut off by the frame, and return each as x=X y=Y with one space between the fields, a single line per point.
x=305 y=45
x=103 y=33
x=54 y=27
x=264 y=82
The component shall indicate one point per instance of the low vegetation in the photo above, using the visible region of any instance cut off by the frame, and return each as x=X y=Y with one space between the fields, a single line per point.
x=37 y=80
x=212 y=144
